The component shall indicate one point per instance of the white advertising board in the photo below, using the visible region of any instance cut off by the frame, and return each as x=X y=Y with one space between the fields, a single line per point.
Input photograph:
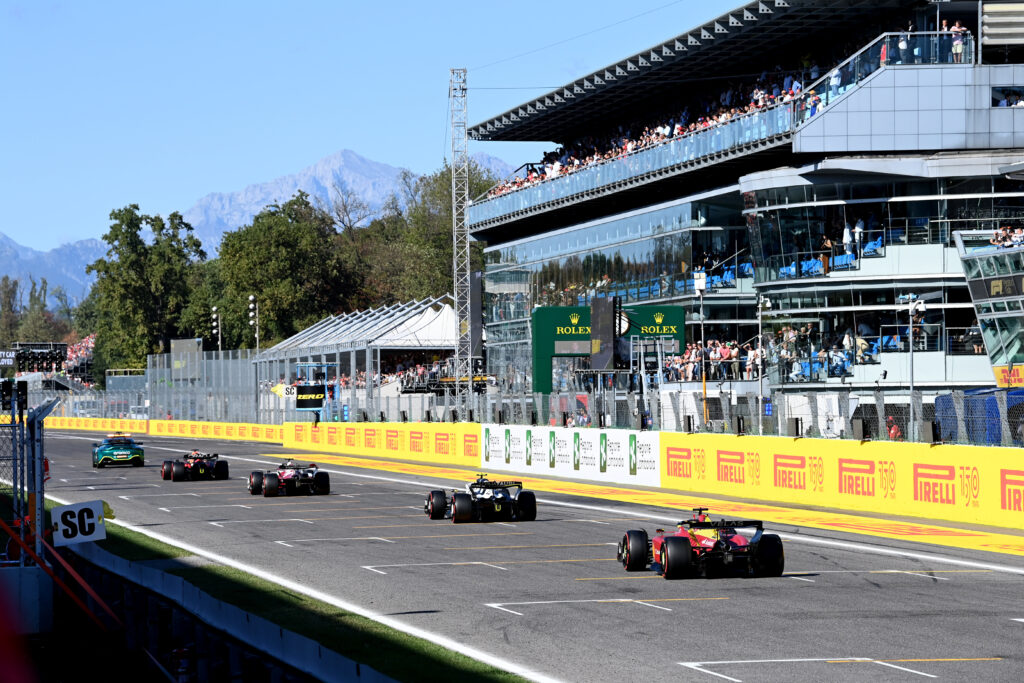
x=607 y=456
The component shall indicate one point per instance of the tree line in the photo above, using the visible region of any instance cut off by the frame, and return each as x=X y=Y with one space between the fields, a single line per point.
x=303 y=260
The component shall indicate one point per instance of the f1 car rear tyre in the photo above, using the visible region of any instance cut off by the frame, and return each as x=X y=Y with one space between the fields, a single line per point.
x=321 y=483
x=165 y=470
x=633 y=550
x=220 y=469
x=462 y=507
x=255 y=483
x=526 y=506
x=676 y=557
x=177 y=471
x=290 y=487
x=769 y=557
x=270 y=484
x=436 y=505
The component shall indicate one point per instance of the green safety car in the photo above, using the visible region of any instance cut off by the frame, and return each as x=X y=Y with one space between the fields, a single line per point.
x=118 y=449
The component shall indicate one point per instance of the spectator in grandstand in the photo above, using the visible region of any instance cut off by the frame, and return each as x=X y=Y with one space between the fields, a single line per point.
x=958 y=32
x=893 y=429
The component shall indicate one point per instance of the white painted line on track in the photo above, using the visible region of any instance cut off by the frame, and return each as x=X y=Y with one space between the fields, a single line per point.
x=698 y=666
x=305 y=589
x=257 y=521
x=641 y=602
x=503 y=605
x=800 y=578
x=196 y=507
x=903 y=668
x=373 y=567
x=153 y=495
x=1020 y=620
x=352 y=538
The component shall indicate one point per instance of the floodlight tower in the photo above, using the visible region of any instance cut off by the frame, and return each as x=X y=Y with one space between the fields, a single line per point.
x=460 y=238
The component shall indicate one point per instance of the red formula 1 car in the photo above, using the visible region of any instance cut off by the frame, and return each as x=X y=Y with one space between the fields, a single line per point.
x=290 y=479
x=195 y=466
x=702 y=547
x=483 y=501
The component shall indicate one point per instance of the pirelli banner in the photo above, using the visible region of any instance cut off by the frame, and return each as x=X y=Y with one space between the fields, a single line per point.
x=442 y=443
x=960 y=483
x=97 y=424
x=610 y=456
x=230 y=431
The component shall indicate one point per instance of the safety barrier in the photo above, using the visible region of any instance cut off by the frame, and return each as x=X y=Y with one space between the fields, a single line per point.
x=444 y=443
x=97 y=424
x=231 y=431
x=959 y=483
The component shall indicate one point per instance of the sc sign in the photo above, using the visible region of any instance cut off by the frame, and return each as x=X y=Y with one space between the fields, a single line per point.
x=78 y=523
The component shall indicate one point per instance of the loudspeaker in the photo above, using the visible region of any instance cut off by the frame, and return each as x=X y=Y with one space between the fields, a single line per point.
x=501 y=415
x=470 y=415
x=366 y=418
x=455 y=415
x=738 y=424
x=794 y=426
x=533 y=417
x=857 y=428
x=405 y=416
x=383 y=417
x=930 y=432
x=427 y=417
x=565 y=419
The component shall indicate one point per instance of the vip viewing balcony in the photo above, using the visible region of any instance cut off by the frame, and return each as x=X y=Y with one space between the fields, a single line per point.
x=740 y=136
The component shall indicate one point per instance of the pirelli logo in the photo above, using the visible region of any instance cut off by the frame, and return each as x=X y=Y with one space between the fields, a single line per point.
x=391 y=440
x=350 y=437
x=731 y=467
x=1011 y=490
x=332 y=435
x=857 y=477
x=416 y=441
x=229 y=430
x=243 y=431
x=471 y=446
x=935 y=484
x=679 y=462
x=370 y=438
x=299 y=433
x=442 y=444
x=790 y=472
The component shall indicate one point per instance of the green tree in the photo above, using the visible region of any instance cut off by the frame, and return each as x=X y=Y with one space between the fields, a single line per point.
x=288 y=258
x=10 y=311
x=37 y=323
x=141 y=288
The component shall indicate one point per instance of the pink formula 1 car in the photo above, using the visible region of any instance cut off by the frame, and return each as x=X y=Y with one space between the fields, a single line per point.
x=702 y=547
x=290 y=479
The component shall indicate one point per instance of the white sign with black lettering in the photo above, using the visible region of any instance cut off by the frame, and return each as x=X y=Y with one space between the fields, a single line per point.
x=289 y=392
x=7 y=358
x=78 y=523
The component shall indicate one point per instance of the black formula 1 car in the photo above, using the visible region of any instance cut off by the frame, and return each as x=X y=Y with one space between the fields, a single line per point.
x=290 y=479
x=195 y=466
x=702 y=547
x=484 y=501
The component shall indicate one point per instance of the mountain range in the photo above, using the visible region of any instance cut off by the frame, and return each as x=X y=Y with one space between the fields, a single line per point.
x=220 y=212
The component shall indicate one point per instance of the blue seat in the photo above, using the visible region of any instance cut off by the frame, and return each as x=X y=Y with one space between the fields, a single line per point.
x=787 y=271
x=872 y=248
x=633 y=292
x=656 y=291
x=747 y=269
x=581 y=299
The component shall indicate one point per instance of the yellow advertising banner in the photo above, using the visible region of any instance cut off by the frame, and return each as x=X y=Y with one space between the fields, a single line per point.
x=974 y=484
x=231 y=431
x=97 y=424
x=439 y=442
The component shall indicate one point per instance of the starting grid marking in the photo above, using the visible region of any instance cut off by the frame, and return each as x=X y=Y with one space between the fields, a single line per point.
x=646 y=602
x=890 y=663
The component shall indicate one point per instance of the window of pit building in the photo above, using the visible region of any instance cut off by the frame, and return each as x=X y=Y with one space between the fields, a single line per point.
x=1004 y=96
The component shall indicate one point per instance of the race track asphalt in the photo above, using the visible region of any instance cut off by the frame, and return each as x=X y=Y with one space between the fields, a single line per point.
x=549 y=597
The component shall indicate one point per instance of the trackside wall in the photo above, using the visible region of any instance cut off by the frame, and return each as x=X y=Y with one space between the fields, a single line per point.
x=232 y=431
x=960 y=483
x=444 y=443
x=97 y=424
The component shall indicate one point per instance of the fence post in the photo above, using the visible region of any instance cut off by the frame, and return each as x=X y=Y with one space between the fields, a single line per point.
x=880 y=433
x=1004 y=422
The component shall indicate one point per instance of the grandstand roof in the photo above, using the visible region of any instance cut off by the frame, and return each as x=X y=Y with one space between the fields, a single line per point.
x=425 y=324
x=751 y=32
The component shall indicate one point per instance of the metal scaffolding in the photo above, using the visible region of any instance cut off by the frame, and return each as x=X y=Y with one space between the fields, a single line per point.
x=460 y=235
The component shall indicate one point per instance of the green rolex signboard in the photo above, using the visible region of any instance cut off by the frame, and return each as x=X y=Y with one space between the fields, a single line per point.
x=565 y=331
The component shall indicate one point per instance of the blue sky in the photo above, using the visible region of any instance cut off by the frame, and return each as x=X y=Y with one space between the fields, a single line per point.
x=112 y=103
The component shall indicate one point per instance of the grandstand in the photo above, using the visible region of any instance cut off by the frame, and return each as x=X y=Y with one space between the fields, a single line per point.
x=819 y=154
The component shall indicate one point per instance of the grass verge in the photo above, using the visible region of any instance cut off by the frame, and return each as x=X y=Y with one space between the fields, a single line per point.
x=390 y=652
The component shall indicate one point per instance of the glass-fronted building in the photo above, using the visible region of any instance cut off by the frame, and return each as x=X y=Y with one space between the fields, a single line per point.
x=812 y=218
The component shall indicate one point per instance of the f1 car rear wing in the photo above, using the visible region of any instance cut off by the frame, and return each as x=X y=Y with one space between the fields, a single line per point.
x=495 y=484
x=722 y=524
